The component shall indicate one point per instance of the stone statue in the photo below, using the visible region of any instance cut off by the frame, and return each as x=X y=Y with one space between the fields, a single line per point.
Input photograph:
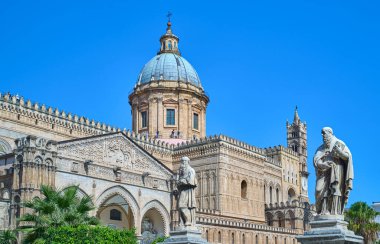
x=186 y=184
x=334 y=171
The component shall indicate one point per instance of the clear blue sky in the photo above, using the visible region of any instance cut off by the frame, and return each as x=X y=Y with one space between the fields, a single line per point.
x=257 y=60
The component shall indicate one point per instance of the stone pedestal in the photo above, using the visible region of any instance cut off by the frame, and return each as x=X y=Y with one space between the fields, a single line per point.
x=186 y=236
x=329 y=229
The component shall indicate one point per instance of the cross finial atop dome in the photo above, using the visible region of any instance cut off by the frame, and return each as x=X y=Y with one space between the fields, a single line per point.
x=169 y=15
x=169 y=41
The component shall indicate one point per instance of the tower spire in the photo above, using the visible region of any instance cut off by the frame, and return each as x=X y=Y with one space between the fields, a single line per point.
x=296 y=119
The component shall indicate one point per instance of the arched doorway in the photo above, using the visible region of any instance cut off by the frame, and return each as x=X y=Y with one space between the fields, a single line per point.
x=152 y=226
x=154 y=222
x=115 y=212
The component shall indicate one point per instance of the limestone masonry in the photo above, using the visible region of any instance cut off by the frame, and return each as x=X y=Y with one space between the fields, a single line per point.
x=245 y=194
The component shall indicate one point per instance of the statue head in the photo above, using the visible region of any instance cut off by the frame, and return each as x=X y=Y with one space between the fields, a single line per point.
x=184 y=164
x=327 y=134
x=185 y=161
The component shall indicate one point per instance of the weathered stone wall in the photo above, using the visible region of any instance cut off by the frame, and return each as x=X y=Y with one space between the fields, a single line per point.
x=157 y=96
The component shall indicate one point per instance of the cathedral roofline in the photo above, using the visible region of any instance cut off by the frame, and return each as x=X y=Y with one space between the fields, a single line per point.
x=99 y=129
x=26 y=107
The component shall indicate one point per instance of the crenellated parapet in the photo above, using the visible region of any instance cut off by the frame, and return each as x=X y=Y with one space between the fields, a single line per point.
x=201 y=147
x=66 y=124
x=278 y=149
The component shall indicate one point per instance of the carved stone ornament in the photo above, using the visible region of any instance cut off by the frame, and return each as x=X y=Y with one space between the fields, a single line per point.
x=111 y=151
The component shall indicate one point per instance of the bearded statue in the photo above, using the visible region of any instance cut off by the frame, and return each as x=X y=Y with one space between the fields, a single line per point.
x=334 y=171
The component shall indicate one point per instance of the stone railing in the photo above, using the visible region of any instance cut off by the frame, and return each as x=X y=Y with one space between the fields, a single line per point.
x=225 y=222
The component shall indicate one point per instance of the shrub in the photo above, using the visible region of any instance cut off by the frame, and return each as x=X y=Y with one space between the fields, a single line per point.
x=159 y=240
x=85 y=234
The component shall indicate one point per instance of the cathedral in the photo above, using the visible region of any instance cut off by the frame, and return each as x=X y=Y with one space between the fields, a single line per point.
x=245 y=194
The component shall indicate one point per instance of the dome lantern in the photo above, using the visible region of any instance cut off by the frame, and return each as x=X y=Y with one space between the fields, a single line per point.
x=169 y=41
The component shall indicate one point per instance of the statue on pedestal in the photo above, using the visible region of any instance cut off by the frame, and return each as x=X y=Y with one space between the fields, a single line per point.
x=186 y=184
x=334 y=171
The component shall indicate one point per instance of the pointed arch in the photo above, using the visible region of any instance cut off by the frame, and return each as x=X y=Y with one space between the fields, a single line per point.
x=126 y=195
x=164 y=214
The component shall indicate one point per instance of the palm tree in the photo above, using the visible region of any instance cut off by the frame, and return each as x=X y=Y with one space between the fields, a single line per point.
x=361 y=220
x=56 y=208
x=8 y=237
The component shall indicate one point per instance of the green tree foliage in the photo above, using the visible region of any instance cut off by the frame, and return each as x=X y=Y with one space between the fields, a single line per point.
x=159 y=240
x=87 y=235
x=361 y=220
x=56 y=208
x=8 y=237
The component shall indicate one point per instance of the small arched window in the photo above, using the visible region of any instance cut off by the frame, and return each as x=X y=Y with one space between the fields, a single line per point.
x=170 y=45
x=232 y=238
x=115 y=215
x=270 y=195
x=277 y=196
x=207 y=235
x=257 y=240
x=243 y=189
x=243 y=239
x=219 y=237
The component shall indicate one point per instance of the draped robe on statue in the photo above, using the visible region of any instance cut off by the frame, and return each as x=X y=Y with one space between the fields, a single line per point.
x=188 y=182
x=334 y=177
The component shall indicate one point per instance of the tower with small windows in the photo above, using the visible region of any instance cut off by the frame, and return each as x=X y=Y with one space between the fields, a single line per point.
x=297 y=141
x=297 y=135
x=168 y=100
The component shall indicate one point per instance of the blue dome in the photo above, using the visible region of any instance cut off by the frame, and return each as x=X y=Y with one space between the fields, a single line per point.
x=169 y=66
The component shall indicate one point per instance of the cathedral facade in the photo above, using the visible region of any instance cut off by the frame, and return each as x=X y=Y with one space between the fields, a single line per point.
x=245 y=194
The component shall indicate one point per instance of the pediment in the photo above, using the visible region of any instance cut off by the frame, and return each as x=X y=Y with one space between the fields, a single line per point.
x=113 y=150
x=197 y=106
x=170 y=100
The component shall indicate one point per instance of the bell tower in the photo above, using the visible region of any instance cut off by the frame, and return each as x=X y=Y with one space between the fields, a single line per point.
x=297 y=141
x=297 y=135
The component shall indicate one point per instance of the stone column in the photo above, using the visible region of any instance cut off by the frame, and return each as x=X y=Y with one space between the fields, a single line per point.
x=182 y=122
x=203 y=122
x=152 y=117
x=189 y=129
x=160 y=116
x=135 y=118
